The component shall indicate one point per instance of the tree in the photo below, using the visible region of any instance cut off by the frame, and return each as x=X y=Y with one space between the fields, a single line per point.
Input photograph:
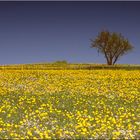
x=112 y=45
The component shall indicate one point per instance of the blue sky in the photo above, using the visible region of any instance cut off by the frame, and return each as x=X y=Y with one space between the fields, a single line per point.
x=32 y=32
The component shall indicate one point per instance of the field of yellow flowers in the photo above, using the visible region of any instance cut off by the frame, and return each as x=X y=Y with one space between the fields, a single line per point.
x=93 y=104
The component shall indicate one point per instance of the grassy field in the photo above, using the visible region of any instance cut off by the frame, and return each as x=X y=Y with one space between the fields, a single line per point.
x=69 y=104
x=68 y=66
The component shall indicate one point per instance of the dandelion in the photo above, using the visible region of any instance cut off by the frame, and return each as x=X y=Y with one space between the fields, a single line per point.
x=70 y=104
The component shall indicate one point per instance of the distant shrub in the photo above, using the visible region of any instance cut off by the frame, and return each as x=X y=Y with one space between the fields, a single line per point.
x=63 y=62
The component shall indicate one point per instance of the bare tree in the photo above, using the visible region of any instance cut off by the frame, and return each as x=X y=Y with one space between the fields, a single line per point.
x=112 y=45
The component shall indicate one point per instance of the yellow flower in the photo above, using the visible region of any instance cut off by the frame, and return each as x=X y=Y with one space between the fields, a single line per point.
x=29 y=133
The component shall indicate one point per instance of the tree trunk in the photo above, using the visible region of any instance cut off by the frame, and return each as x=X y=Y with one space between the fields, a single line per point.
x=109 y=62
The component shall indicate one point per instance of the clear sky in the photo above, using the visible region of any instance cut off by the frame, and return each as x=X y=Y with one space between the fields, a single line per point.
x=32 y=32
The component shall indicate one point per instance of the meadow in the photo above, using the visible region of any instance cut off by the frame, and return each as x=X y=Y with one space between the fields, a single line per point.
x=70 y=104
